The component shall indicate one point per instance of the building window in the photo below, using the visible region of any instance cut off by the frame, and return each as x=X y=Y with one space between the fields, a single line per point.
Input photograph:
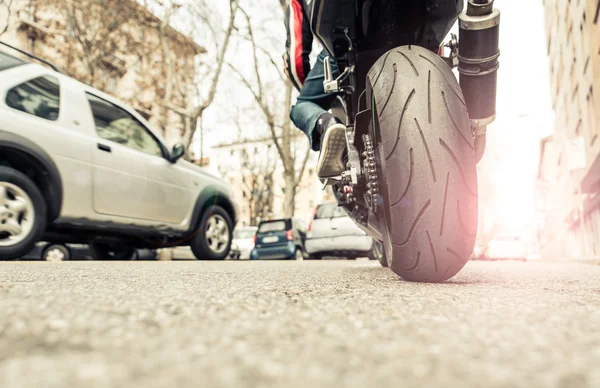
x=39 y=97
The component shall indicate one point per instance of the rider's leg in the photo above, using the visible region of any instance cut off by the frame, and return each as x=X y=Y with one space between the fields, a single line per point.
x=310 y=114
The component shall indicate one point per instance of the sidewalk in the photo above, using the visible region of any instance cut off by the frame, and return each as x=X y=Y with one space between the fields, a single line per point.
x=594 y=260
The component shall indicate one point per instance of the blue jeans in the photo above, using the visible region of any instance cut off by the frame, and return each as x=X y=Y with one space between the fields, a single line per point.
x=313 y=101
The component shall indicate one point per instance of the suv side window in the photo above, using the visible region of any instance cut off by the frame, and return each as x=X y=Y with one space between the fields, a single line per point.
x=8 y=61
x=119 y=126
x=39 y=97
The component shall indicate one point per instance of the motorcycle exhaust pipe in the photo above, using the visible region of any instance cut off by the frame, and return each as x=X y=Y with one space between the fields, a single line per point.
x=478 y=63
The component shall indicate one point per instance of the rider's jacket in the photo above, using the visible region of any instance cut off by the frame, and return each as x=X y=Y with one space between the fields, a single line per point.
x=299 y=40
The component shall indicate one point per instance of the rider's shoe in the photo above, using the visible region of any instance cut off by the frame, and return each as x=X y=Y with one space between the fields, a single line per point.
x=333 y=145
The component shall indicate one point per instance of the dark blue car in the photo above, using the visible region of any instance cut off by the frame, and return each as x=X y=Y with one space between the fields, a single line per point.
x=279 y=240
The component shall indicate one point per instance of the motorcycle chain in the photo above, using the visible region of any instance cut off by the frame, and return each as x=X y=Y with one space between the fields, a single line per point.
x=370 y=174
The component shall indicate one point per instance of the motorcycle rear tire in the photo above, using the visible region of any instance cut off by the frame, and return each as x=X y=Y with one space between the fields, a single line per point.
x=427 y=167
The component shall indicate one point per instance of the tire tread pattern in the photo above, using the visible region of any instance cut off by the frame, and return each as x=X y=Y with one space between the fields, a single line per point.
x=428 y=143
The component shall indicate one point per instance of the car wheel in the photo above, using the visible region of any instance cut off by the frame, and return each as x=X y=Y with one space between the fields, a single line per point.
x=298 y=255
x=213 y=237
x=102 y=251
x=22 y=214
x=56 y=252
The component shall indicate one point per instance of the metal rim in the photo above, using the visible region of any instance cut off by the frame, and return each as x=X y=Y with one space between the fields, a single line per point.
x=217 y=233
x=55 y=254
x=377 y=250
x=17 y=216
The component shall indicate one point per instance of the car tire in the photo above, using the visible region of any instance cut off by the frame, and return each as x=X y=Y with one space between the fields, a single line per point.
x=28 y=215
x=298 y=255
x=213 y=237
x=56 y=252
x=103 y=251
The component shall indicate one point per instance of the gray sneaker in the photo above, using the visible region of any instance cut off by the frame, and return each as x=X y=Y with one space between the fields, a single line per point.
x=333 y=145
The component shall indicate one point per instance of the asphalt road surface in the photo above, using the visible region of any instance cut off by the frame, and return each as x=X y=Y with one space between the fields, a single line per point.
x=296 y=324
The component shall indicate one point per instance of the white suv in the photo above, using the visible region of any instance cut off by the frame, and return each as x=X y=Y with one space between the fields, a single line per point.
x=78 y=166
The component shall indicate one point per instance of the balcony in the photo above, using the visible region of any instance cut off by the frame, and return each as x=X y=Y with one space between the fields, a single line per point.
x=32 y=29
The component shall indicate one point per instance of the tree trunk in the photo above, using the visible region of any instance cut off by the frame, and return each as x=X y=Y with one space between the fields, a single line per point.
x=289 y=200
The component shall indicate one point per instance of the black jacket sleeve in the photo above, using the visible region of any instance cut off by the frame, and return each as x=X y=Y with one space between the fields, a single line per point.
x=299 y=42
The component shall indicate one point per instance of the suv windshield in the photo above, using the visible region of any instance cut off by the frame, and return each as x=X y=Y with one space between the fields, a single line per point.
x=8 y=61
x=330 y=211
x=242 y=234
x=274 y=226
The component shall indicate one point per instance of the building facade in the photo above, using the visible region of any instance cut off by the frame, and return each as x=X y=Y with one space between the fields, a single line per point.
x=116 y=46
x=256 y=174
x=569 y=178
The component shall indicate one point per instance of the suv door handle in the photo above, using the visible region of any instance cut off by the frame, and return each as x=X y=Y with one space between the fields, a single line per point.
x=104 y=147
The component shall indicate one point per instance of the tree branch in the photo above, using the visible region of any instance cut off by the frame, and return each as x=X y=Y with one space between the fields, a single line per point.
x=234 y=6
x=8 y=5
x=304 y=163
x=263 y=106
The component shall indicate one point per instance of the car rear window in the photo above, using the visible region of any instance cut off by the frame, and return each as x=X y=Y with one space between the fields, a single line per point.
x=330 y=211
x=244 y=233
x=8 y=61
x=39 y=97
x=274 y=226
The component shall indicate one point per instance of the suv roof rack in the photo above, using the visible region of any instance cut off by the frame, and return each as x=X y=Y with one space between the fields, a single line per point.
x=45 y=62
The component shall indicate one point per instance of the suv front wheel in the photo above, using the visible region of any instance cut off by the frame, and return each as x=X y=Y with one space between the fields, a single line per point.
x=22 y=214
x=212 y=240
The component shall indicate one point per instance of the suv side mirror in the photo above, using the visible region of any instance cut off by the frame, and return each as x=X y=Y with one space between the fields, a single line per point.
x=177 y=152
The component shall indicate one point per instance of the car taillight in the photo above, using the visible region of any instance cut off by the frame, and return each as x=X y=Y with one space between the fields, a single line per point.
x=289 y=235
x=254 y=239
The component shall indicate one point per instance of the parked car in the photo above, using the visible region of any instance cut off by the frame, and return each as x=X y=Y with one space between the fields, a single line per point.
x=280 y=239
x=64 y=252
x=243 y=242
x=478 y=252
x=333 y=233
x=506 y=248
x=79 y=166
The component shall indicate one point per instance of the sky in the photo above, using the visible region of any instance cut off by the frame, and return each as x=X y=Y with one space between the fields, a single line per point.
x=524 y=115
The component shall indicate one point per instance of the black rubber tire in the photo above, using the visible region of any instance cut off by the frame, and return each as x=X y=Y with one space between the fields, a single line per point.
x=20 y=180
x=63 y=248
x=103 y=251
x=425 y=149
x=198 y=243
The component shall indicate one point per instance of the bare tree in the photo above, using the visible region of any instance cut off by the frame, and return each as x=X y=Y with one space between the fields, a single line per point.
x=257 y=170
x=196 y=11
x=5 y=13
x=276 y=114
x=98 y=28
